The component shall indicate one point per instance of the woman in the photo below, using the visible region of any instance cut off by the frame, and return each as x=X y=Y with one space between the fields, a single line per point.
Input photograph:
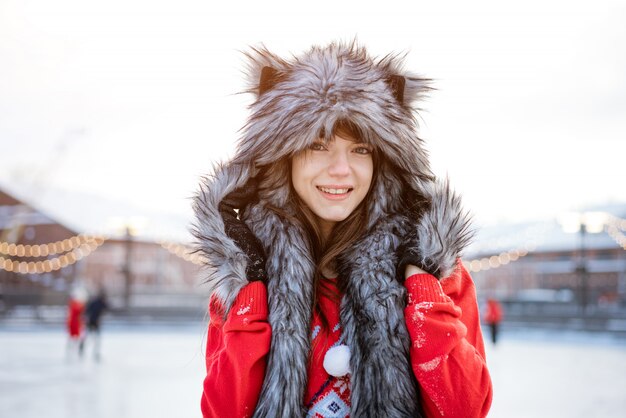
x=335 y=277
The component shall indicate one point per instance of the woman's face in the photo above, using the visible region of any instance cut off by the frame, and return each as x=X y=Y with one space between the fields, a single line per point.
x=332 y=179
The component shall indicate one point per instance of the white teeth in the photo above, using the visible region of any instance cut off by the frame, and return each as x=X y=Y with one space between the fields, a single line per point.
x=334 y=191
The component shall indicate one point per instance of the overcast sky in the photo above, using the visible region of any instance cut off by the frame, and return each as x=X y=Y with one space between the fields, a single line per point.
x=131 y=100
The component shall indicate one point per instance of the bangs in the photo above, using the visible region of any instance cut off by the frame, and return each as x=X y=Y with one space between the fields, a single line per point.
x=344 y=128
x=347 y=129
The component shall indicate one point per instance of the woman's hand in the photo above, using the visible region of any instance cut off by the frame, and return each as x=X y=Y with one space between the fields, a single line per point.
x=410 y=261
x=411 y=270
x=239 y=232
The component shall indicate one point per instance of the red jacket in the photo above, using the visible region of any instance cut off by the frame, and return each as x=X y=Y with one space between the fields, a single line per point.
x=74 y=318
x=494 y=312
x=447 y=351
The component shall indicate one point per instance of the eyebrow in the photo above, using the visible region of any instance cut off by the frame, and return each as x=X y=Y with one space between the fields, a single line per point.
x=322 y=140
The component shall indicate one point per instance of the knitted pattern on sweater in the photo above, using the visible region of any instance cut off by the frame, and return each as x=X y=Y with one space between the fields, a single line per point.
x=327 y=396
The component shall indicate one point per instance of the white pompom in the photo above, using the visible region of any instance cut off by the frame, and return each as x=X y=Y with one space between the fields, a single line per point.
x=337 y=361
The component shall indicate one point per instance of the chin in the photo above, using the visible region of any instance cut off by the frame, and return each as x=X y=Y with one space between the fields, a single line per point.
x=335 y=217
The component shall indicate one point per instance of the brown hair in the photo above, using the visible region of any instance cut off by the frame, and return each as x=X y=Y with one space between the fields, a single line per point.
x=325 y=251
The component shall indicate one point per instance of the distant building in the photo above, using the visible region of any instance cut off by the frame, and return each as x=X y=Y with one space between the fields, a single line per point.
x=23 y=227
x=41 y=259
x=542 y=263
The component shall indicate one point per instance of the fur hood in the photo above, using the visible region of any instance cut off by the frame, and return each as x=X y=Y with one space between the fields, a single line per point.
x=297 y=99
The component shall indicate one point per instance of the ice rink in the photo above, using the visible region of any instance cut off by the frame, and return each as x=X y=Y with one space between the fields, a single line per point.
x=157 y=372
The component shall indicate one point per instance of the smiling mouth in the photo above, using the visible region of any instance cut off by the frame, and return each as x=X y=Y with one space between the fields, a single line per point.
x=334 y=191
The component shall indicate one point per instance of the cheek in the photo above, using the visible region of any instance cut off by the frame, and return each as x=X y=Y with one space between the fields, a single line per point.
x=366 y=173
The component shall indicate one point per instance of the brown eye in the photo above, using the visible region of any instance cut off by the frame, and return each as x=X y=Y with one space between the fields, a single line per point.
x=363 y=150
x=317 y=146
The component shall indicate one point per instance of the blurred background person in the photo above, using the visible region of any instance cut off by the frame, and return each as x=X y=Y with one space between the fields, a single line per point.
x=75 y=308
x=96 y=306
x=493 y=317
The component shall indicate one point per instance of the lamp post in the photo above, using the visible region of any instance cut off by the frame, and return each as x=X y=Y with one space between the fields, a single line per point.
x=585 y=223
x=582 y=270
x=128 y=246
x=129 y=227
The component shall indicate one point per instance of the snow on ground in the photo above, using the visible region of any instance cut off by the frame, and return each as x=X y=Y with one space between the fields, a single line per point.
x=142 y=373
x=157 y=372
x=558 y=374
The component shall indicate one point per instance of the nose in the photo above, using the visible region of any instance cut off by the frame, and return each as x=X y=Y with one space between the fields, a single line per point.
x=339 y=165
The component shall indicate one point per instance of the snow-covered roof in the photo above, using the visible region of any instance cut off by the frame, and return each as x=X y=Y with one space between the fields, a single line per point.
x=92 y=214
x=541 y=235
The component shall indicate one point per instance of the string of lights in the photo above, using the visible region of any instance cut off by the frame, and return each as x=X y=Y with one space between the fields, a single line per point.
x=533 y=236
x=183 y=252
x=495 y=261
x=44 y=250
x=614 y=228
x=53 y=264
x=617 y=223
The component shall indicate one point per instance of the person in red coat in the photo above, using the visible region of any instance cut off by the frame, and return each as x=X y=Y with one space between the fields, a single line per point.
x=75 y=310
x=493 y=317
x=336 y=283
x=74 y=323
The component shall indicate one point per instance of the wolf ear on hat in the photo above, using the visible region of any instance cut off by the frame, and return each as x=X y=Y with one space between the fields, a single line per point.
x=397 y=83
x=269 y=77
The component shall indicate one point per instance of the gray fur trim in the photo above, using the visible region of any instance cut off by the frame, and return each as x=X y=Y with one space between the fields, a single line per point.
x=290 y=313
x=372 y=315
x=226 y=263
x=443 y=231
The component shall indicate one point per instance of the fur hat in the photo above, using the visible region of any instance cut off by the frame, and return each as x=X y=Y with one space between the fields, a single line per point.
x=297 y=100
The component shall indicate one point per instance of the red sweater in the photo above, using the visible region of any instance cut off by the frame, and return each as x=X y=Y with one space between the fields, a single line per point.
x=447 y=351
